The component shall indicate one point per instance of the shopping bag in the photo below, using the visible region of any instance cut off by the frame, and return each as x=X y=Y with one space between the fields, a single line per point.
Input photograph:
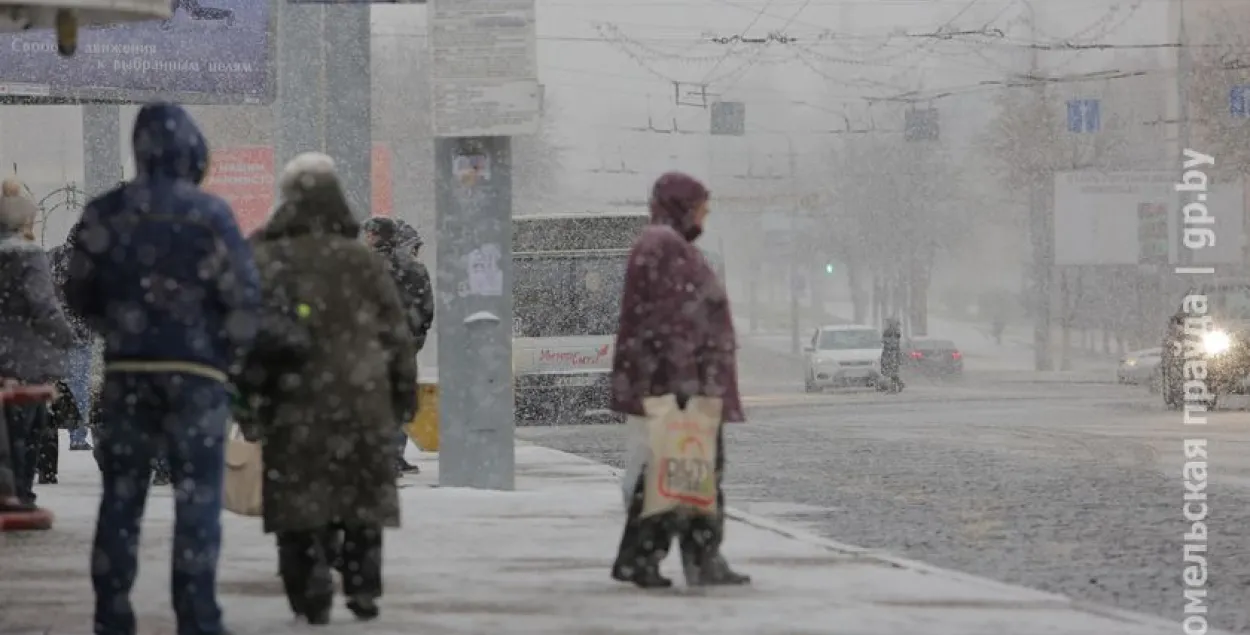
x=245 y=475
x=681 y=470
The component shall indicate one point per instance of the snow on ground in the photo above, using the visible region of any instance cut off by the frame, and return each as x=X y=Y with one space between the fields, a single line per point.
x=536 y=561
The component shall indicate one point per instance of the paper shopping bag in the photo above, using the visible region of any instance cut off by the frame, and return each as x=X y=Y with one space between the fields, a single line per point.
x=681 y=469
x=245 y=475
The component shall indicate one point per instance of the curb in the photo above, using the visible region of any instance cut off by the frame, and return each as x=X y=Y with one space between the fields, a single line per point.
x=766 y=524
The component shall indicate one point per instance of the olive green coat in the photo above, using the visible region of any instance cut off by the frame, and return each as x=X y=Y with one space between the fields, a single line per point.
x=329 y=436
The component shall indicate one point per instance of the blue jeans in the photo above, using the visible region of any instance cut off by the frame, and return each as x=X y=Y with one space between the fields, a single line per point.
x=142 y=413
x=79 y=381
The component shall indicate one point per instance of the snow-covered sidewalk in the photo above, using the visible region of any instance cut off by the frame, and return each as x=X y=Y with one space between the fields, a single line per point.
x=536 y=561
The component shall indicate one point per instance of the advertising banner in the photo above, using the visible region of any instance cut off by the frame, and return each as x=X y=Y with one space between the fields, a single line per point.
x=244 y=176
x=1129 y=218
x=208 y=52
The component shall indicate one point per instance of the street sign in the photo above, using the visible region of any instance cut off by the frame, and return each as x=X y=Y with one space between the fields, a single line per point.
x=1237 y=102
x=1084 y=116
x=484 y=68
x=1152 y=234
x=729 y=118
x=921 y=125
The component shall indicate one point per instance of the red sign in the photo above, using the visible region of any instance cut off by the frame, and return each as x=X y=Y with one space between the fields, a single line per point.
x=244 y=176
x=573 y=358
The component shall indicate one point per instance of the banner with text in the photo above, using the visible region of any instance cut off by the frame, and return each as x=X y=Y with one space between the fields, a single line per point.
x=244 y=176
x=208 y=52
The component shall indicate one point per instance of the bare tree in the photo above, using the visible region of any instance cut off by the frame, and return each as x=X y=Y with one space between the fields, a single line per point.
x=898 y=214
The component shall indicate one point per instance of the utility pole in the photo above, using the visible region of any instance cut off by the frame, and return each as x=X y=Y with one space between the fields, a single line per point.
x=1184 y=66
x=795 y=348
x=1039 y=227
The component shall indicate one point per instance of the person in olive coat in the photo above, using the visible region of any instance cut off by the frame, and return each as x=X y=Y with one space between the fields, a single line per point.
x=327 y=424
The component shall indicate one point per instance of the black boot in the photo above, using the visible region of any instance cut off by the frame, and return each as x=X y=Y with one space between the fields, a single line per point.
x=710 y=570
x=364 y=608
x=647 y=576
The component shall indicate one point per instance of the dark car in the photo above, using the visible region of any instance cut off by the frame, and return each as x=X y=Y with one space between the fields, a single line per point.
x=933 y=357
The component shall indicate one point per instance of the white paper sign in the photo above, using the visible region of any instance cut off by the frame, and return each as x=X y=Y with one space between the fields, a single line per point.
x=485 y=276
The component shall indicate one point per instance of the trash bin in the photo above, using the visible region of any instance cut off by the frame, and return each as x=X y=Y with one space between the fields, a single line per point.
x=423 y=429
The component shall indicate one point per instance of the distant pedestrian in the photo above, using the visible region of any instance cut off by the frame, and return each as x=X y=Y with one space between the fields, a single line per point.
x=398 y=244
x=160 y=270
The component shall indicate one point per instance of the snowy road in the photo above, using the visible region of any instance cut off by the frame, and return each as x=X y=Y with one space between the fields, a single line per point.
x=1066 y=487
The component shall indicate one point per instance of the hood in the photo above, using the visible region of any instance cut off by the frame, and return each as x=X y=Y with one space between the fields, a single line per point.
x=385 y=231
x=674 y=199
x=312 y=201
x=167 y=143
x=16 y=214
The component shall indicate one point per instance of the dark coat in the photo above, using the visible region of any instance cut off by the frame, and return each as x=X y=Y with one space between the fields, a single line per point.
x=159 y=268
x=891 y=351
x=676 y=333
x=59 y=258
x=35 y=335
x=329 y=434
x=415 y=291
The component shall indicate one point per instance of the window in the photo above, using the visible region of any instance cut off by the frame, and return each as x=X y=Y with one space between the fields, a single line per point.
x=567 y=296
x=849 y=340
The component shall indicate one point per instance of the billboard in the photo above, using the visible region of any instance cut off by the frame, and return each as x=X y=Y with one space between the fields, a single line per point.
x=207 y=52
x=244 y=176
x=1127 y=218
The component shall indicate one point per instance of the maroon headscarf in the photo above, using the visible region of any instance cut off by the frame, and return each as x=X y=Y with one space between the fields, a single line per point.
x=674 y=198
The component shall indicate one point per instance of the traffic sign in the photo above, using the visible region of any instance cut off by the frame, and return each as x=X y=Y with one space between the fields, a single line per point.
x=729 y=118
x=921 y=124
x=1238 y=105
x=1084 y=115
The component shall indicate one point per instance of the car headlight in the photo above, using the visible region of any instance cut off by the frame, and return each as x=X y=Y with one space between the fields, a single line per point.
x=1131 y=361
x=1216 y=342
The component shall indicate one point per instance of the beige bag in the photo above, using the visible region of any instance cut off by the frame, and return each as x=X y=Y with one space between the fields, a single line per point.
x=681 y=471
x=245 y=475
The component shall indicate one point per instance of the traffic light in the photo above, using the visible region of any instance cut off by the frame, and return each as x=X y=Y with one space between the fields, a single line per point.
x=829 y=268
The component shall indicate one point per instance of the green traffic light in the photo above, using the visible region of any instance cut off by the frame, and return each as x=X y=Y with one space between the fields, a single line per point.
x=829 y=268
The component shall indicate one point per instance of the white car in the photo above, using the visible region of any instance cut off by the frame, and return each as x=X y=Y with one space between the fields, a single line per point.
x=842 y=356
x=1140 y=368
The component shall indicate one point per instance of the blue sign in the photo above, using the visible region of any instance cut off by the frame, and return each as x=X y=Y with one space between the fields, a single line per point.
x=1084 y=115
x=208 y=52
x=1237 y=105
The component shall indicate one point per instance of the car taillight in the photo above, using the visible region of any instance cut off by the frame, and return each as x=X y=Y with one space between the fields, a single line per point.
x=956 y=355
x=917 y=355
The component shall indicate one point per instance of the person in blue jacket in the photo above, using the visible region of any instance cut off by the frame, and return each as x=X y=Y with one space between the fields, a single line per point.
x=161 y=272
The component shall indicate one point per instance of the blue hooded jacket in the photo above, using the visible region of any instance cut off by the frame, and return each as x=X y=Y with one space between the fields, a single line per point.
x=158 y=267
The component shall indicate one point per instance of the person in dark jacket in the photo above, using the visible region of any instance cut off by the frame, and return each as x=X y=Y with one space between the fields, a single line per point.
x=326 y=425
x=675 y=336
x=891 y=357
x=35 y=335
x=393 y=241
x=80 y=356
x=160 y=271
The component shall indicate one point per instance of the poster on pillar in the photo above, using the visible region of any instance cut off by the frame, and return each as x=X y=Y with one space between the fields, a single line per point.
x=207 y=52
x=244 y=177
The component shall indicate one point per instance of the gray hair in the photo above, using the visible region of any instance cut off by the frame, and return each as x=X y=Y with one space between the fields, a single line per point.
x=16 y=214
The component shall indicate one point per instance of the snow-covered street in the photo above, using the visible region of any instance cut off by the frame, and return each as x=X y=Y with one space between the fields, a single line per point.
x=536 y=561
x=1070 y=487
